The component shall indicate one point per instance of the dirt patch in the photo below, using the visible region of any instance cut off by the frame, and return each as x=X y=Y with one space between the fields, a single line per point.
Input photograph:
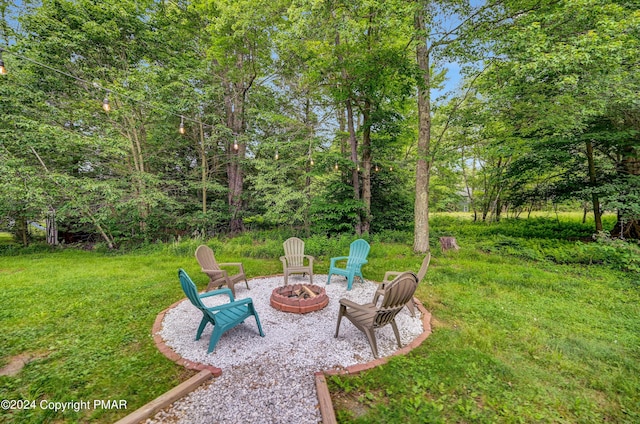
x=349 y=402
x=17 y=362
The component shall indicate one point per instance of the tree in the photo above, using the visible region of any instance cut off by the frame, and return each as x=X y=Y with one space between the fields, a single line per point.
x=359 y=53
x=567 y=72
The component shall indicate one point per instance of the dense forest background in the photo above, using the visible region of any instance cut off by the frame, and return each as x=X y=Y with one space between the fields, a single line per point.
x=320 y=116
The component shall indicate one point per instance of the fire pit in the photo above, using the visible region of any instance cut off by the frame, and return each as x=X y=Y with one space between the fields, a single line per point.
x=299 y=298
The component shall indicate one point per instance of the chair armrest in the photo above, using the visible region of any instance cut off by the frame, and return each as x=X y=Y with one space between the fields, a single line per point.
x=389 y=276
x=339 y=258
x=215 y=272
x=350 y=304
x=224 y=290
x=231 y=264
x=238 y=264
x=310 y=258
x=230 y=305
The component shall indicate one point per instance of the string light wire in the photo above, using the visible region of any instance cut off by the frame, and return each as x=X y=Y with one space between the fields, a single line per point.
x=97 y=86
x=106 y=106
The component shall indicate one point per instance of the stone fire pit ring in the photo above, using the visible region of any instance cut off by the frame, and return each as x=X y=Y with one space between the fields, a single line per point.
x=282 y=300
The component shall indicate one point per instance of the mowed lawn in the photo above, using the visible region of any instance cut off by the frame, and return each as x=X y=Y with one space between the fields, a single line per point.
x=515 y=339
x=83 y=320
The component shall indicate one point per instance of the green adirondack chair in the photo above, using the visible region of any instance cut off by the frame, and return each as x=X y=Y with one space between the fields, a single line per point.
x=358 y=252
x=223 y=317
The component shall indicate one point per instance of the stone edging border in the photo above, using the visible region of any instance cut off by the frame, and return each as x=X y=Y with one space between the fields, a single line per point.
x=324 y=398
x=208 y=371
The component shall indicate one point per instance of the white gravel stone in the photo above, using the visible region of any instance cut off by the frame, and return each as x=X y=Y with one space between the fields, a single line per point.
x=270 y=379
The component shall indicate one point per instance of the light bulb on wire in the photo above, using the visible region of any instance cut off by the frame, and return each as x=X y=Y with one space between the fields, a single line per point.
x=105 y=103
x=277 y=155
x=181 y=129
x=3 y=70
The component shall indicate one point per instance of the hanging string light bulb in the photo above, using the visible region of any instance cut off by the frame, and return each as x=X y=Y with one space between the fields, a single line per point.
x=3 y=70
x=277 y=155
x=391 y=168
x=335 y=166
x=181 y=130
x=235 y=143
x=311 y=161
x=377 y=169
x=105 y=103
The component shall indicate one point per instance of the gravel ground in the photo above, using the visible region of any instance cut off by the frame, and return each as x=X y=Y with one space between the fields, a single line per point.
x=271 y=379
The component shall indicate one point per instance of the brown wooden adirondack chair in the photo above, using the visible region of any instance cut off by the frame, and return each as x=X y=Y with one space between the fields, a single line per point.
x=368 y=317
x=390 y=275
x=294 y=259
x=219 y=277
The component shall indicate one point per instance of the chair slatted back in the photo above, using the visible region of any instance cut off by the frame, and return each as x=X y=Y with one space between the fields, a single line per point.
x=424 y=267
x=358 y=251
x=294 y=251
x=396 y=295
x=190 y=289
x=205 y=258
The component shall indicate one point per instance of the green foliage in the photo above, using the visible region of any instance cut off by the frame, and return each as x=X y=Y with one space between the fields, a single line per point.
x=335 y=211
x=538 y=339
x=620 y=254
x=392 y=200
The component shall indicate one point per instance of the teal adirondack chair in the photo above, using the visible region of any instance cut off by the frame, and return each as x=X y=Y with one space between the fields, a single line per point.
x=223 y=317
x=358 y=252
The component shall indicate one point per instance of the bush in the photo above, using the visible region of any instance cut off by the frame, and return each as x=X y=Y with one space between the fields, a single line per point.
x=619 y=254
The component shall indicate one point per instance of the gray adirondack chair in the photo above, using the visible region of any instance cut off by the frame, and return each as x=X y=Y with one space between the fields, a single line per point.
x=293 y=261
x=390 y=275
x=219 y=277
x=358 y=251
x=223 y=317
x=368 y=317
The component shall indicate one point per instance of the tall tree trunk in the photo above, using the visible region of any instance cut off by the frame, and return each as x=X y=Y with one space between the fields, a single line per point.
x=307 y=180
x=137 y=139
x=628 y=226
x=597 y=214
x=235 y=155
x=23 y=231
x=205 y=168
x=467 y=186
x=366 y=167
x=353 y=141
x=423 y=171
x=52 y=227
x=353 y=144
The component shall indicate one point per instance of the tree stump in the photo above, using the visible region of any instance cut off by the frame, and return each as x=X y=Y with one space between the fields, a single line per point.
x=448 y=243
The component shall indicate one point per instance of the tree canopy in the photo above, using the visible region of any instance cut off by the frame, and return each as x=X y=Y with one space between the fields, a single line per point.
x=315 y=116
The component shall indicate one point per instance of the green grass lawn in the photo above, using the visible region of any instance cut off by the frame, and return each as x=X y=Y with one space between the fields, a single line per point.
x=5 y=238
x=86 y=320
x=521 y=334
